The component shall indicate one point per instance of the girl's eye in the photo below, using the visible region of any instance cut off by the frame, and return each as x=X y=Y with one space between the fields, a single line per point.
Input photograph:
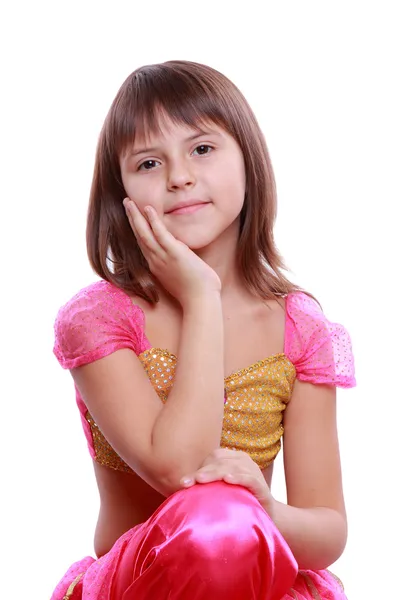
x=202 y=146
x=148 y=165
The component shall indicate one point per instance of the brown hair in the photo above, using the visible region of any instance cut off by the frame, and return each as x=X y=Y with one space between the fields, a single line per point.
x=192 y=94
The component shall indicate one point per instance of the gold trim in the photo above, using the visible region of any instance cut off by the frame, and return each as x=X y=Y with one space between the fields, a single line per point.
x=104 y=453
x=162 y=351
x=311 y=585
x=260 y=363
x=71 y=588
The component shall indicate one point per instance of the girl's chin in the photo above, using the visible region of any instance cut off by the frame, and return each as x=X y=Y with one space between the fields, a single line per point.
x=195 y=246
x=194 y=240
x=201 y=235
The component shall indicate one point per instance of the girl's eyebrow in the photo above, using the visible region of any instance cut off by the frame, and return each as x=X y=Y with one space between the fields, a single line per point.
x=199 y=133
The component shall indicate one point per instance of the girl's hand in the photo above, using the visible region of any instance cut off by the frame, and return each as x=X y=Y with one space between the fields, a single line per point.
x=180 y=271
x=236 y=468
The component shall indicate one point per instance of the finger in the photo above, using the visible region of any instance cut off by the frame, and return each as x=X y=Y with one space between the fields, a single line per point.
x=237 y=460
x=214 y=466
x=187 y=482
x=135 y=217
x=132 y=225
x=254 y=485
x=141 y=228
x=209 y=477
x=132 y=213
x=240 y=479
x=131 y=209
x=214 y=473
x=203 y=475
x=166 y=240
x=222 y=454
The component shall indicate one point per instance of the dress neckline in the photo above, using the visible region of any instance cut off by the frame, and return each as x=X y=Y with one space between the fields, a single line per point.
x=165 y=353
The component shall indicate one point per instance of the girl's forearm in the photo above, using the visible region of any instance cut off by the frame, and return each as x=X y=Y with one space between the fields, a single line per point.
x=189 y=426
x=316 y=536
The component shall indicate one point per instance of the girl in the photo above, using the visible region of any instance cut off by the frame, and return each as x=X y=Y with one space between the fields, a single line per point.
x=193 y=354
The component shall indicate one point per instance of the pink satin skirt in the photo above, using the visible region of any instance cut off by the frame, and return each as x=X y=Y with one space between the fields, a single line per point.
x=211 y=541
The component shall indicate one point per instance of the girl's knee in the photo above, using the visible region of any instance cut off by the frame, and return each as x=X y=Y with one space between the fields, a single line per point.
x=218 y=495
x=219 y=520
x=224 y=536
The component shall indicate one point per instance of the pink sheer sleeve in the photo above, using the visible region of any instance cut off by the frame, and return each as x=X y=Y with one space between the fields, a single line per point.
x=97 y=321
x=320 y=350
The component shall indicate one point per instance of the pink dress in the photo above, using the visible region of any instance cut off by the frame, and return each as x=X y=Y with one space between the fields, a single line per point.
x=213 y=540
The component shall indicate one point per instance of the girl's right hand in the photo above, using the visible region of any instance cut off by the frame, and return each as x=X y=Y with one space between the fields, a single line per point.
x=179 y=270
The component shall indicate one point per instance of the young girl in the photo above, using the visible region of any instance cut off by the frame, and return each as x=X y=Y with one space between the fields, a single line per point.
x=193 y=355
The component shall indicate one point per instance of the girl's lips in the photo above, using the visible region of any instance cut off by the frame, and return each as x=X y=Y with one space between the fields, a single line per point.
x=189 y=209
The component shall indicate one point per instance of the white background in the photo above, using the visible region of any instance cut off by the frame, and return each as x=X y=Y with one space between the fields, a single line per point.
x=322 y=78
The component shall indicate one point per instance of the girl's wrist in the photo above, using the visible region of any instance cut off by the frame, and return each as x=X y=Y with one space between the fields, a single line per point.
x=202 y=301
x=269 y=505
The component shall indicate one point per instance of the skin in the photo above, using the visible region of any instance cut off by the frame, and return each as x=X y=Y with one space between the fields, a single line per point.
x=193 y=257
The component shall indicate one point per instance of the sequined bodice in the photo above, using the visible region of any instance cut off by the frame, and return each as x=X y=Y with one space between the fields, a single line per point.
x=255 y=399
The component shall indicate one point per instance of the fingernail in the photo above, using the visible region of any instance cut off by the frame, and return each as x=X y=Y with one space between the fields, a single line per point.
x=186 y=481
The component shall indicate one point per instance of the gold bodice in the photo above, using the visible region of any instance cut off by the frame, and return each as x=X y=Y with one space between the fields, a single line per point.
x=255 y=399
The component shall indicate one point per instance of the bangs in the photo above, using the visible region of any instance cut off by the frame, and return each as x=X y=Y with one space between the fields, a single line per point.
x=152 y=94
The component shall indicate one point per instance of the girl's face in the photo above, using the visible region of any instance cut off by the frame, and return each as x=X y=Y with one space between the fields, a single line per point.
x=194 y=179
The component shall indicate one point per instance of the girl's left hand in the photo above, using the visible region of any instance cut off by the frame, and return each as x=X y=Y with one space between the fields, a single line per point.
x=236 y=468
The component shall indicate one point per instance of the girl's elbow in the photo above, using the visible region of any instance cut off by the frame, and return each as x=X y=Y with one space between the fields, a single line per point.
x=169 y=477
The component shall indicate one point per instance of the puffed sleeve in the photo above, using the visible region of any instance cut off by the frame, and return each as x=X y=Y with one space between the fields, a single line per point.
x=97 y=321
x=319 y=349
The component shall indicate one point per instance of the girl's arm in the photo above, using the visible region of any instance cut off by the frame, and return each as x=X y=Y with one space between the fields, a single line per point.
x=314 y=520
x=161 y=443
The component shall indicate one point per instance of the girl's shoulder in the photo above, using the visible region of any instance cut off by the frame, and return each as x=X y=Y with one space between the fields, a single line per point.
x=99 y=293
x=320 y=349
x=96 y=321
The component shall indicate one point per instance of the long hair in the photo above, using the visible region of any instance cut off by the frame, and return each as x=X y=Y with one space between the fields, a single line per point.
x=191 y=94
